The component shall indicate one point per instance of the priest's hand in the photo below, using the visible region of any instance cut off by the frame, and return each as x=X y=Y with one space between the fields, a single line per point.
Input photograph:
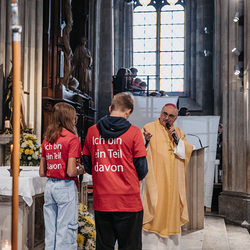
x=147 y=134
x=173 y=131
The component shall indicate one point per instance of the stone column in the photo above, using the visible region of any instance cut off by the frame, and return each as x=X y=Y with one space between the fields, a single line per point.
x=217 y=60
x=234 y=201
x=105 y=58
x=123 y=35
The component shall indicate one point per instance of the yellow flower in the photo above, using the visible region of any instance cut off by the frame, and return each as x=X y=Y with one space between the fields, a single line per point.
x=21 y=150
x=29 y=151
x=90 y=221
x=80 y=239
x=93 y=234
x=29 y=142
x=82 y=208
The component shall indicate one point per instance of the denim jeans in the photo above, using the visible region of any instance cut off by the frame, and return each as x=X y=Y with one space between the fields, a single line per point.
x=60 y=214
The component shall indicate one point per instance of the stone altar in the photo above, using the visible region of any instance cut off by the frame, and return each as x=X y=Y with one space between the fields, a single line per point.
x=30 y=215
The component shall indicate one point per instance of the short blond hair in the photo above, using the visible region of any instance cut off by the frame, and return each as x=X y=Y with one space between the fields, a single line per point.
x=122 y=101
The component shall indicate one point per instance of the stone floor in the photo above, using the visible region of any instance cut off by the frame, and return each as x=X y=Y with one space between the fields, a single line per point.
x=216 y=235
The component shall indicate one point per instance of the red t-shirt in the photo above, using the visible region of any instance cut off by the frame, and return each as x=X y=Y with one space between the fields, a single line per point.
x=116 y=185
x=66 y=146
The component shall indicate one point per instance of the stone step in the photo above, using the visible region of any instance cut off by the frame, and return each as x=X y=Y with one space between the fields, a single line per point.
x=192 y=239
x=215 y=234
x=238 y=237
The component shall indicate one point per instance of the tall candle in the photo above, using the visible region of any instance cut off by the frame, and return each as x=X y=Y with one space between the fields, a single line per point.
x=7 y=124
x=6 y=246
x=31 y=125
x=11 y=156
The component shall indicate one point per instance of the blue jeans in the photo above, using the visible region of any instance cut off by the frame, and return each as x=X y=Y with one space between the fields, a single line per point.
x=60 y=214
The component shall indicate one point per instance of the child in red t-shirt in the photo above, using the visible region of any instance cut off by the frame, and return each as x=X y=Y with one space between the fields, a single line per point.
x=60 y=149
x=114 y=153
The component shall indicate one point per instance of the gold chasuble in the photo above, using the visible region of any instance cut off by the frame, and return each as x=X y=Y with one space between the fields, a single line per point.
x=164 y=198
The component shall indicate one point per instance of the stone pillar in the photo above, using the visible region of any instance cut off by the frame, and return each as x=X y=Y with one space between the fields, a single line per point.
x=204 y=63
x=105 y=58
x=234 y=201
x=123 y=29
x=218 y=93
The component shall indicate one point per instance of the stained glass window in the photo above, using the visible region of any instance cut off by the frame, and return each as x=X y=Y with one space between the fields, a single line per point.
x=158 y=43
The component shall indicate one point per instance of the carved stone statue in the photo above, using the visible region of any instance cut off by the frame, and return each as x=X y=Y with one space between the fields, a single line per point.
x=8 y=101
x=66 y=40
x=82 y=62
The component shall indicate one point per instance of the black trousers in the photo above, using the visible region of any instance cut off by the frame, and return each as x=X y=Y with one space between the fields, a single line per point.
x=125 y=227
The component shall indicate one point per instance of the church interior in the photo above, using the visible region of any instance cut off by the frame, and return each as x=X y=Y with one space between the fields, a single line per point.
x=71 y=51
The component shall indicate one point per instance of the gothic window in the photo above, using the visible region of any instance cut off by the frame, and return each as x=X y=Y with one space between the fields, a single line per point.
x=158 y=43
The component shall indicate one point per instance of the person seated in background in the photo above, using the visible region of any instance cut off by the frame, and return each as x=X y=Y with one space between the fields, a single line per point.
x=137 y=81
x=163 y=93
x=184 y=112
x=136 y=88
x=134 y=72
x=122 y=80
x=143 y=86
x=155 y=93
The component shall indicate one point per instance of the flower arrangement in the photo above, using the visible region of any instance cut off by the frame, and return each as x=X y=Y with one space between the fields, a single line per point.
x=9 y=131
x=30 y=150
x=86 y=238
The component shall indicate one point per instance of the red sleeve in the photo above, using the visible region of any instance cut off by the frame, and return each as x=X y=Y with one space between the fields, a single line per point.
x=74 y=148
x=139 y=147
x=86 y=148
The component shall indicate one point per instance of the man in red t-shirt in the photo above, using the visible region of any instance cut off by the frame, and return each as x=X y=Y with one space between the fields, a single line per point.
x=115 y=155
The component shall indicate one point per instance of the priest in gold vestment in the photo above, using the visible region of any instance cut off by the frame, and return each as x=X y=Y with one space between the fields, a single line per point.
x=164 y=194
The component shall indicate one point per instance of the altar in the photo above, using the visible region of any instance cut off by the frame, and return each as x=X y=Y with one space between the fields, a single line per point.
x=30 y=214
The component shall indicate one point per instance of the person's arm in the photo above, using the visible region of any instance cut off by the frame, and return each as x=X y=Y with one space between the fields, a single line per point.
x=72 y=170
x=141 y=167
x=43 y=167
x=87 y=163
x=147 y=136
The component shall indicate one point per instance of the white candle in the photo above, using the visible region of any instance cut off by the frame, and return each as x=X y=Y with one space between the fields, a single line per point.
x=7 y=123
x=31 y=125
x=6 y=246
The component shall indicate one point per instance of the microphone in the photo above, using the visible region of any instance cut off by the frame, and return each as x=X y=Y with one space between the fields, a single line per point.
x=173 y=135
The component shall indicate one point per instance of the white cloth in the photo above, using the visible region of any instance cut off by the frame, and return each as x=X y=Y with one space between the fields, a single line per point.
x=152 y=241
x=30 y=183
x=179 y=150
